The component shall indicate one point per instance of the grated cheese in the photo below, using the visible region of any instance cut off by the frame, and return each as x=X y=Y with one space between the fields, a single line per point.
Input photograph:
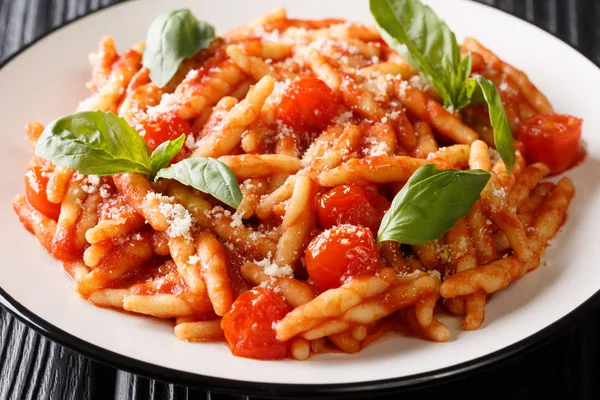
x=105 y=191
x=380 y=149
x=193 y=260
x=420 y=83
x=403 y=86
x=193 y=74
x=114 y=213
x=344 y=118
x=272 y=269
x=190 y=142
x=179 y=218
x=164 y=107
x=278 y=90
x=434 y=273
x=90 y=184
x=33 y=183
x=236 y=220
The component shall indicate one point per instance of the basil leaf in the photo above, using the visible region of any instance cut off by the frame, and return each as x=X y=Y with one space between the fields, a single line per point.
x=207 y=175
x=426 y=42
x=503 y=137
x=95 y=143
x=173 y=37
x=430 y=203
x=163 y=154
x=466 y=86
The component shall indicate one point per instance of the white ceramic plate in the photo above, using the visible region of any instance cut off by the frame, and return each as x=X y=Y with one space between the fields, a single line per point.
x=47 y=80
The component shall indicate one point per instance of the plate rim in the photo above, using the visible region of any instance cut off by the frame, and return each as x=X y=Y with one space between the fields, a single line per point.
x=240 y=387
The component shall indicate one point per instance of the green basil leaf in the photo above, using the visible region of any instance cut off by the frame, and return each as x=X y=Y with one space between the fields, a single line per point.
x=426 y=42
x=163 y=154
x=465 y=92
x=173 y=37
x=503 y=137
x=430 y=203
x=94 y=142
x=207 y=175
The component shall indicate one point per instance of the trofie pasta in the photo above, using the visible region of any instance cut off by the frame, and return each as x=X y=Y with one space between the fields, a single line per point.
x=297 y=187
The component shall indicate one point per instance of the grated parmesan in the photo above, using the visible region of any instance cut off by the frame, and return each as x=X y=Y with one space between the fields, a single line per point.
x=33 y=183
x=420 y=83
x=90 y=184
x=179 y=218
x=236 y=220
x=193 y=260
x=278 y=90
x=344 y=118
x=380 y=149
x=434 y=273
x=403 y=86
x=164 y=107
x=272 y=269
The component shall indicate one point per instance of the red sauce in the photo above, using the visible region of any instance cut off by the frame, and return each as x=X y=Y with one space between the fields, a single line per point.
x=235 y=260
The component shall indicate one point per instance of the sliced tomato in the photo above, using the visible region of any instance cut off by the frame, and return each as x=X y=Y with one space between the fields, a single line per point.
x=36 y=180
x=159 y=128
x=248 y=325
x=340 y=254
x=308 y=104
x=351 y=204
x=552 y=139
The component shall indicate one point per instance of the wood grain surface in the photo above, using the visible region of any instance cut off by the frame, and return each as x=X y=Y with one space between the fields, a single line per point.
x=33 y=367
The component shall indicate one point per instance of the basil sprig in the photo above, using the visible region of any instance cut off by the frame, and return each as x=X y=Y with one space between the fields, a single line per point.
x=502 y=134
x=173 y=37
x=164 y=153
x=430 y=203
x=427 y=43
x=101 y=143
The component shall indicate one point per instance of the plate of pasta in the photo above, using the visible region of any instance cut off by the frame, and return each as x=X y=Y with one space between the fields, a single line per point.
x=331 y=196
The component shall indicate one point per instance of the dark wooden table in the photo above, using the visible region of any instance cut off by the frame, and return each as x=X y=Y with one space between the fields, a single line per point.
x=33 y=367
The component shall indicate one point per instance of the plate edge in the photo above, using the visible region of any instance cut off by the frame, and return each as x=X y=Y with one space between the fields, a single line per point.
x=205 y=382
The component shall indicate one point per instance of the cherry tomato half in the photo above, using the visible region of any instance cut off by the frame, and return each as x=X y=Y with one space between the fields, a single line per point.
x=36 y=181
x=341 y=253
x=553 y=139
x=162 y=127
x=351 y=204
x=248 y=325
x=308 y=104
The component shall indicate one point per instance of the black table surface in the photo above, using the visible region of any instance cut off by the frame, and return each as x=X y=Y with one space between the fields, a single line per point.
x=33 y=367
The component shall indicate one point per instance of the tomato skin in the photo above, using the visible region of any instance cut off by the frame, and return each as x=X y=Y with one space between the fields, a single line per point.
x=162 y=127
x=308 y=105
x=553 y=139
x=341 y=253
x=35 y=192
x=248 y=325
x=351 y=204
